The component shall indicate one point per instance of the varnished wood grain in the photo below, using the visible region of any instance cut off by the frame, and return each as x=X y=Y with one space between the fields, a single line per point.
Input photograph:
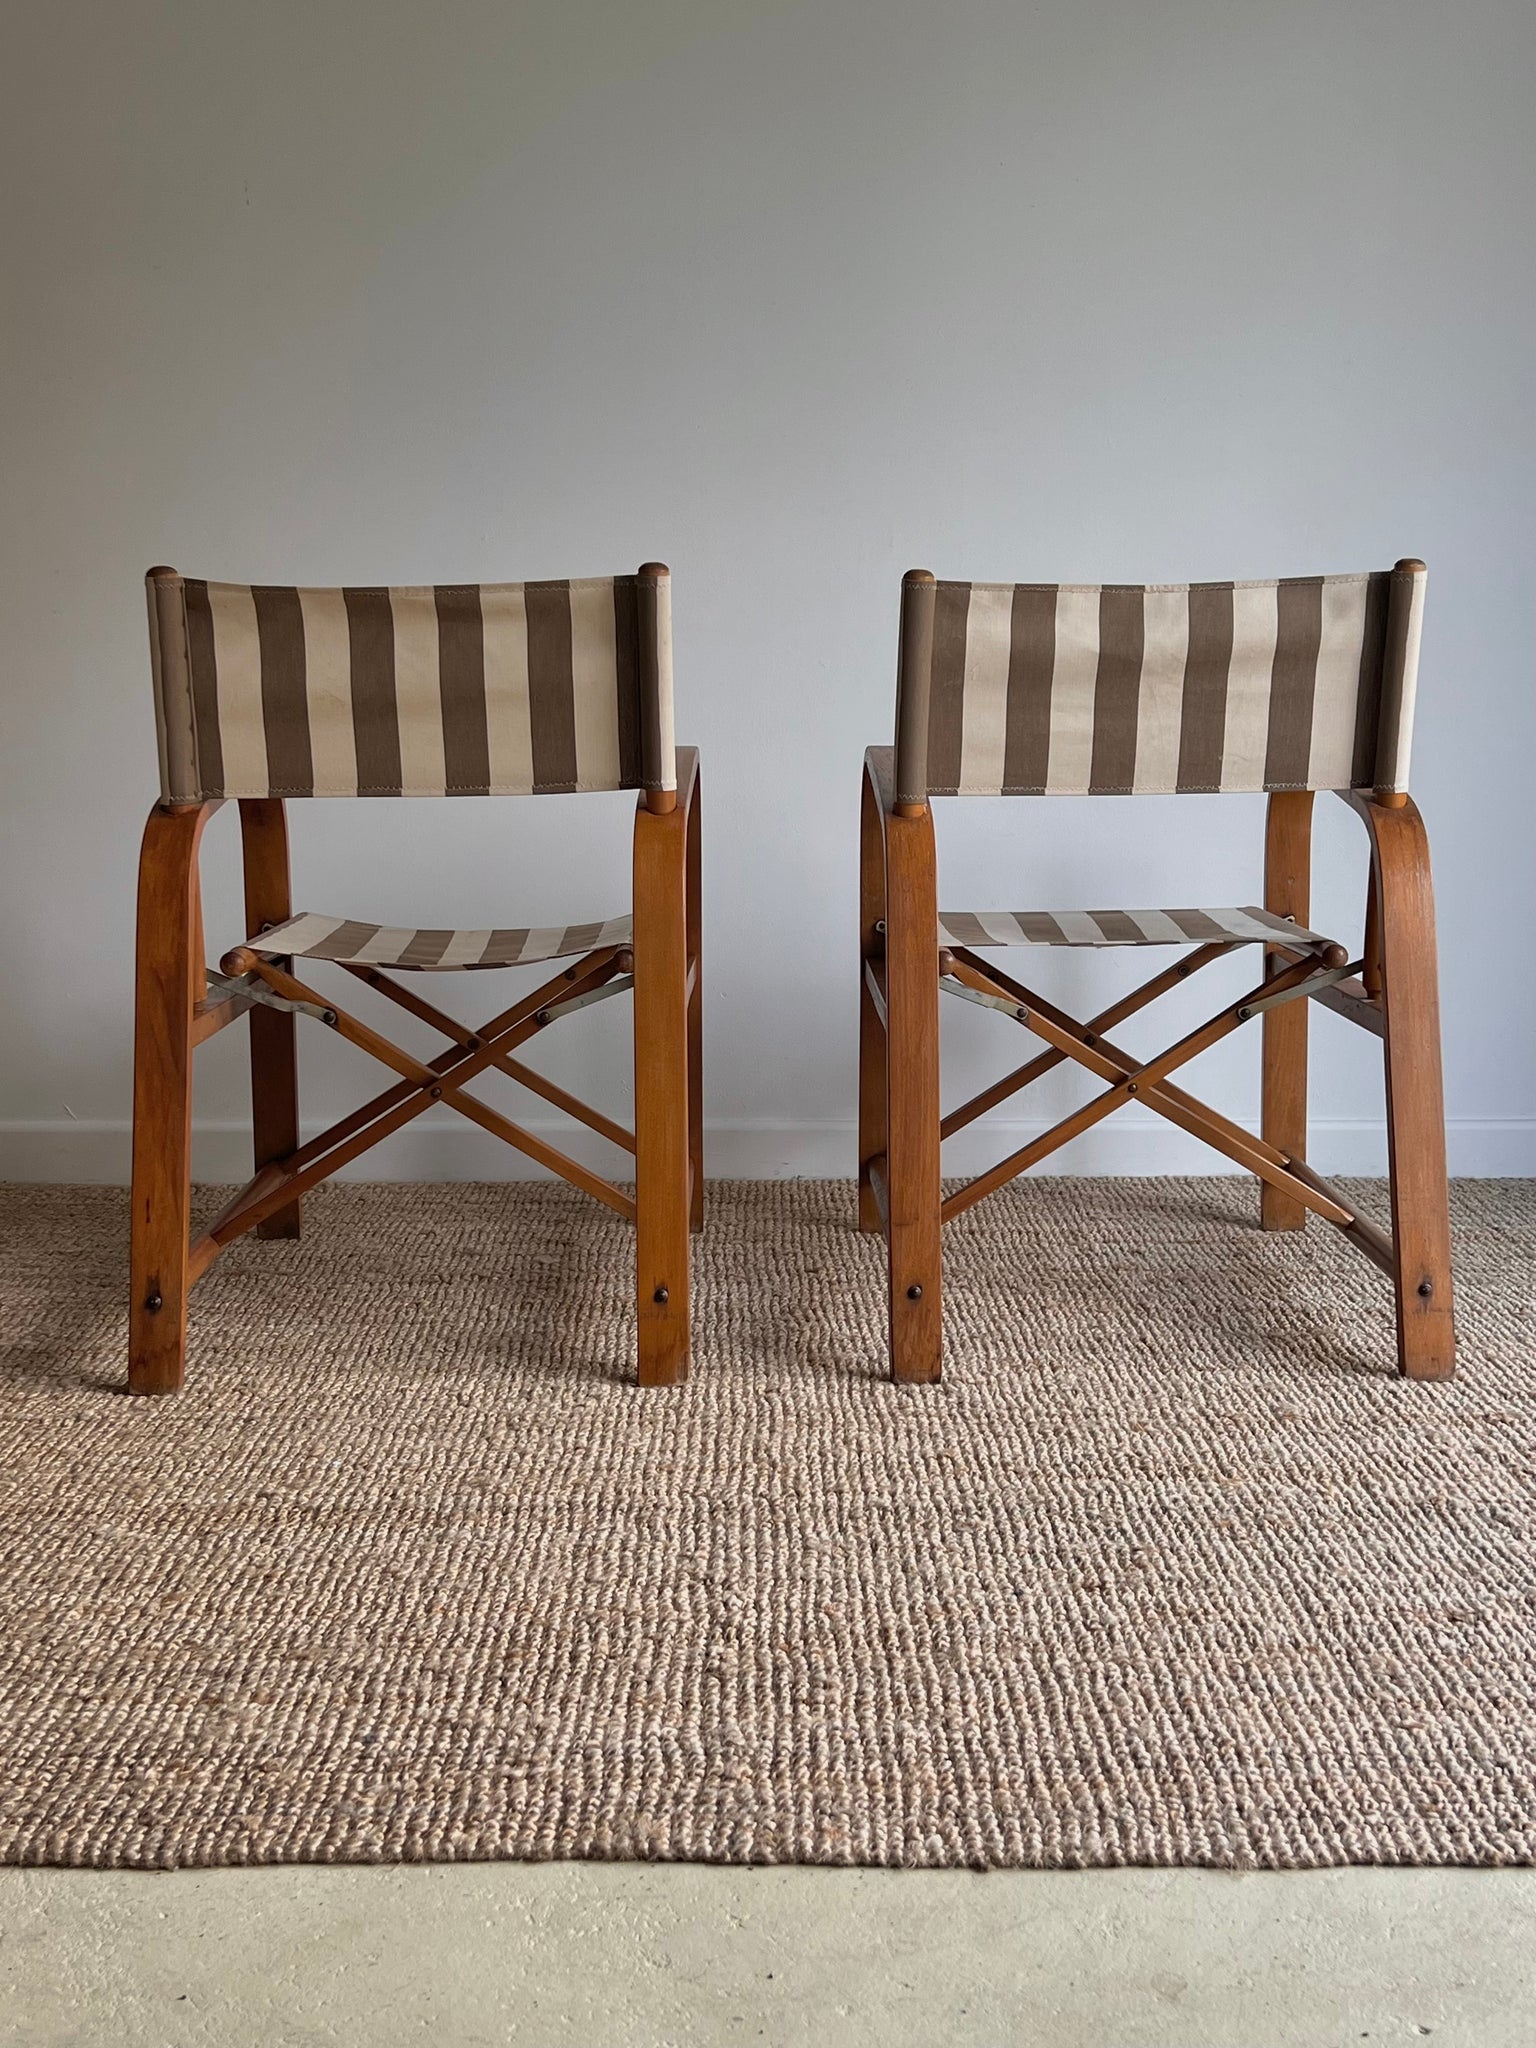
x=274 y=1054
x=1410 y=992
x=1287 y=892
x=695 y=997
x=871 y=1014
x=914 y=1257
x=169 y=981
x=662 y=1140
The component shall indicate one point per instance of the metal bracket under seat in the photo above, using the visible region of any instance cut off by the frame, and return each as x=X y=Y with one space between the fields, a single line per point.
x=616 y=987
x=250 y=988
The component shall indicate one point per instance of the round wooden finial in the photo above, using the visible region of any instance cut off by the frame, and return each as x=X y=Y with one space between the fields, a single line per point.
x=1410 y=565
x=652 y=569
x=919 y=576
x=161 y=574
x=238 y=960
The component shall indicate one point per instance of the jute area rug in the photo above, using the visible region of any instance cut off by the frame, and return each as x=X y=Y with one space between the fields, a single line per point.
x=1172 y=1569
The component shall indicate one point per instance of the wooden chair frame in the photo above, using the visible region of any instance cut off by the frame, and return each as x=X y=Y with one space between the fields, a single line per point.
x=1392 y=992
x=180 y=1004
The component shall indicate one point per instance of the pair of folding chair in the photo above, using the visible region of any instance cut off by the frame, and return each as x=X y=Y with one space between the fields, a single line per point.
x=267 y=693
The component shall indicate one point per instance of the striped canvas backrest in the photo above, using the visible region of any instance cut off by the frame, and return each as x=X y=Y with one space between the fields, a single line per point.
x=1030 y=688
x=432 y=690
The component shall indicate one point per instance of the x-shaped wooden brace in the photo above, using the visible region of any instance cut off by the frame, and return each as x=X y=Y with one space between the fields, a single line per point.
x=1133 y=1080
x=424 y=1082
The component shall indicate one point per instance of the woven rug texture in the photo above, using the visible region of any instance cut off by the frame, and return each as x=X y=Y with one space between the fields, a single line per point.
x=1172 y=1568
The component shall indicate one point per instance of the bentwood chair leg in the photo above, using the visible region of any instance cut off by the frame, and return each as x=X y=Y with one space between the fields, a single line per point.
x=872 y=1049
x=1288 y=891
x=662 y=1128
x=912 y=1098
x=274 y=1058
x=695 y=1013
x=1421 y=1228
x=169 y=981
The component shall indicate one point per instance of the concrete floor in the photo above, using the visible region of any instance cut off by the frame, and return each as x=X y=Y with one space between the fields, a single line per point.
x=621 y=1953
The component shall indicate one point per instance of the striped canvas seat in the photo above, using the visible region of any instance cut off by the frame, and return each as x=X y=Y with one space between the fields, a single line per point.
x=1249 y=926
x=313 y=937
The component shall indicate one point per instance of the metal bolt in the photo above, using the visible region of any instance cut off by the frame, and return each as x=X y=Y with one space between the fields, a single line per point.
x=1022 y=1014
x=435 y=1093
x=1243 y=1014
x=471 y=1045
x=154 y=1303
x=1426 y=1288
x=914 y=1292
x=541 y=1018
x=328 y=1017
x=1090 y=1038
x=1130 y=1087
x=660 y=1297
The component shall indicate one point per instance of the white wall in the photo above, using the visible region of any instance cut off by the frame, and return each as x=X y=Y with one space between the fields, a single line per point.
x=793 y=296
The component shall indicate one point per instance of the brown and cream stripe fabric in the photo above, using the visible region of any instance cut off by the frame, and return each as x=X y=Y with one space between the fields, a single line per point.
x=1020 y=688
x=433 y=690
x=1249 y=926
x=313 y=937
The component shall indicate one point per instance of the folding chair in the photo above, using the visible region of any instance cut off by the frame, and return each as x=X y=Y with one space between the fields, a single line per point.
x=458 y=690
x=1288 y=687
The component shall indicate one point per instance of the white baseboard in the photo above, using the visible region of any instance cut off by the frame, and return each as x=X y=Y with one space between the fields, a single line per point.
x=84 y=1153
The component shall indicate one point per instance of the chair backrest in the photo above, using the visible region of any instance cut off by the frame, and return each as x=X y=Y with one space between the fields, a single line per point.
x=464 y=689
x=1074 y=689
